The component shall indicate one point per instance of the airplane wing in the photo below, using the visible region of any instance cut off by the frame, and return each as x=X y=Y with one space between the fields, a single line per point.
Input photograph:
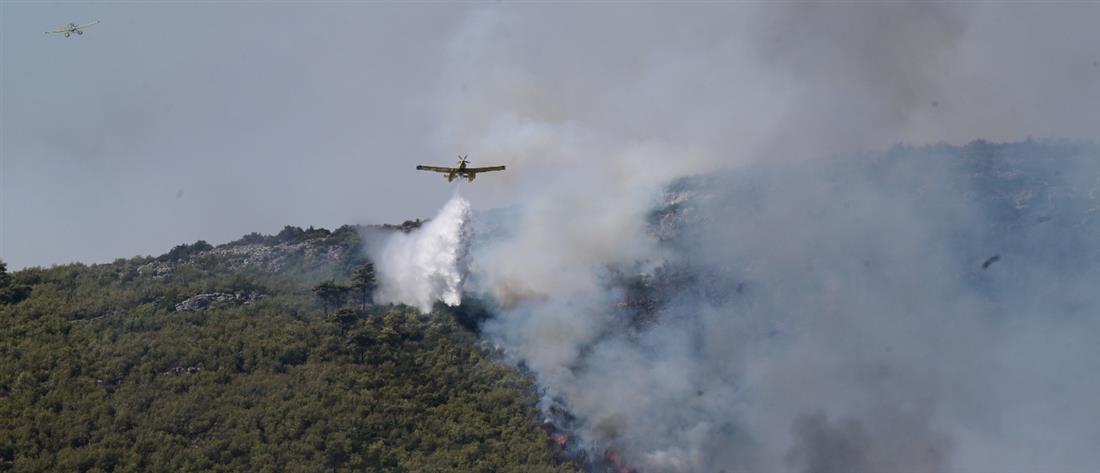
x=435 y=168
x=485 y=169
x=59 y=30
x=88 y=24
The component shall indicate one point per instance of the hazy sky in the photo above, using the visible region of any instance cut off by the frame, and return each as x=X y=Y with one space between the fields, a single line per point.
x=173 y=122
x=170 y=123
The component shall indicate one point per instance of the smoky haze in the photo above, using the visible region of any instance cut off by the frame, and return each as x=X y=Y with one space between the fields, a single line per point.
x=855 y=346
x=863 y=337
x=168 y=123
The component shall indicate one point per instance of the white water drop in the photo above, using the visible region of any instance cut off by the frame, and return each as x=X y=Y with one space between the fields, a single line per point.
x=425 y=266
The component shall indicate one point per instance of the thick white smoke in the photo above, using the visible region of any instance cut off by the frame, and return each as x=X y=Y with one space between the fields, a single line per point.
x=425 y=265
x=858 y=340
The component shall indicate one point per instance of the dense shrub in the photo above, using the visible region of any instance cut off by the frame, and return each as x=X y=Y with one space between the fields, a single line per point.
x=99 y=373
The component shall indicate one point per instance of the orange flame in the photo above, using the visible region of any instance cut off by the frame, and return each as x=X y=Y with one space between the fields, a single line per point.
x=617 y=461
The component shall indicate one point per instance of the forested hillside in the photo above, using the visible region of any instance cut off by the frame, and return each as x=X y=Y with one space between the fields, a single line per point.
x=223 y=359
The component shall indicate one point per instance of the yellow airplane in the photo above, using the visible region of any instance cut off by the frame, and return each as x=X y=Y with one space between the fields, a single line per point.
x=460 y=171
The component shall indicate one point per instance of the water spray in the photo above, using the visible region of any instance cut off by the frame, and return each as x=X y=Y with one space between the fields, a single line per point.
x=426 y=265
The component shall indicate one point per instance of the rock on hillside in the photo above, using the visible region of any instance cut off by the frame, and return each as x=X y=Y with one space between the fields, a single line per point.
x=204 y=301
x=293 y=250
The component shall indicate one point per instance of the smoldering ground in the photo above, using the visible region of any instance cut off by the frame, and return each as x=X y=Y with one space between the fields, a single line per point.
x=825 y=314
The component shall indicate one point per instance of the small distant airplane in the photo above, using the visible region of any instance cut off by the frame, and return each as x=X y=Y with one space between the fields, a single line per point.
x=461 y=170
x=72 y=28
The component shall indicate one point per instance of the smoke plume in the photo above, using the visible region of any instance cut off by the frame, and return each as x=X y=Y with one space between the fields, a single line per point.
x=425 y=266
x=809 y=313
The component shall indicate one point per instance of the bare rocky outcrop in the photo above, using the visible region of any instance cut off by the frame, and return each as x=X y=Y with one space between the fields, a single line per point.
x=293 y=250
x=156 y=269
x=204 y=301
x=276 y=257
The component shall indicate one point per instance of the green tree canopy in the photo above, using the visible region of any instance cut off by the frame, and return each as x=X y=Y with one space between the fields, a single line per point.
x=330 y=294
x=99 y=372
x=364 y=282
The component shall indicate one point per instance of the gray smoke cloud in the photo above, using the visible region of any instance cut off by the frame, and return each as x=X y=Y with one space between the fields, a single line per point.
x=855 y=329
x=822 y=446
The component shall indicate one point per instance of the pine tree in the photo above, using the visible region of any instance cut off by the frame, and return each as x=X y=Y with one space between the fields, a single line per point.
x=5 y=278
x=363 y=280
x=330 y=294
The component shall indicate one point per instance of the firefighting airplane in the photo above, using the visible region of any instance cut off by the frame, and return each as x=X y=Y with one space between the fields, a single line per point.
x=461 y=170
x=72 y=28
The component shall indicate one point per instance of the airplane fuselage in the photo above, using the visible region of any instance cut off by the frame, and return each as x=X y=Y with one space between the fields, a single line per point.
x=72 y=28
x=459 y=172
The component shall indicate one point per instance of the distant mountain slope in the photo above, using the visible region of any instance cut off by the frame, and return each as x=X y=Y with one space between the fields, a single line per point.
x=220 y=359
x=924 y=307
x=892 y=267
x=1029 y=205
